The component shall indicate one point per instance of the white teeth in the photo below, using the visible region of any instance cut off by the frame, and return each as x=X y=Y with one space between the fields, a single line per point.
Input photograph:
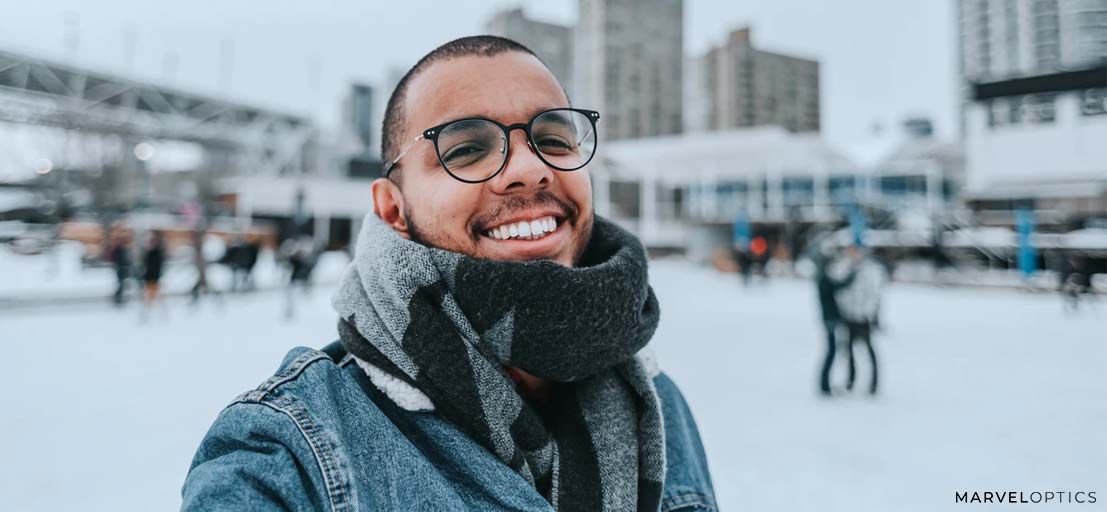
x=524 y=230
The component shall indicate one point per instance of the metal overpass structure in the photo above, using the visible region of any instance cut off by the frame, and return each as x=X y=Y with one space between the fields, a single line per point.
x=236 y=139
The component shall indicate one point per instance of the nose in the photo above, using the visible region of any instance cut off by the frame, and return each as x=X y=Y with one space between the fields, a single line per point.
x=523 y=170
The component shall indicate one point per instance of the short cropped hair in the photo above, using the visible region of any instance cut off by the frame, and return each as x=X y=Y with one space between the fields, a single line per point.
x=394 y=115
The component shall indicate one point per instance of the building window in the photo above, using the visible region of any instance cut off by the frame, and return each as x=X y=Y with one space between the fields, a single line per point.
x=625 y=199
x=731 y=197
x=843 y=189
x=998 y=112
x=1039 y=108
x=1094 y=102
x=798 y=191
x=1030 y=109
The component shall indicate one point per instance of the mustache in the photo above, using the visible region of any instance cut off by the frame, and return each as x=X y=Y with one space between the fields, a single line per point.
x=517 y=203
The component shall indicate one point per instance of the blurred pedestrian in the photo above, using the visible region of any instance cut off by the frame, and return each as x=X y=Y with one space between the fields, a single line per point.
x=745 y=264
x=231 y=258
x=153 y=263
x=827 y=287
x=200 y=260
x=759 y=255
x=299 y=255
x=251 y=251
x=1074 y=282
x=120 y=256
x=741 y=245
x=859 y=305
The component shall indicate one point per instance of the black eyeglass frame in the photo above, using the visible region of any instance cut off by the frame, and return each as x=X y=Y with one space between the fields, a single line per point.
x=431 y=134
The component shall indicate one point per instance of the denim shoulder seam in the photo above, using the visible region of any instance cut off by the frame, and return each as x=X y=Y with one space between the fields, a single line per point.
x=294 y=369
x=335 y=473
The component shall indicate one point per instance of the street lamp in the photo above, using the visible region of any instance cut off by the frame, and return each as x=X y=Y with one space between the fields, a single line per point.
x=144 y=151
x=44 y=166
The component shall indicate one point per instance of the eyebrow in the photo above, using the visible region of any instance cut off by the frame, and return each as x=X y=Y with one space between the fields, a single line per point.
x=451 y=117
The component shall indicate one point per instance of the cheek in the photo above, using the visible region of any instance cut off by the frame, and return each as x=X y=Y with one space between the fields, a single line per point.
x=578 y=187
x=450 y=207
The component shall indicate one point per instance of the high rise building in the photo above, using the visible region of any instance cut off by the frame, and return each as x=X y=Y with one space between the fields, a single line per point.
x=552 y=42
x=357 y=113
x=736 y=85
x=1034 y=110
x=628 y=64
x=1008 y=38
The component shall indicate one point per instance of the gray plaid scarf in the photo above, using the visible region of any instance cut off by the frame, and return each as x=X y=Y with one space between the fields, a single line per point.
x=448 y=324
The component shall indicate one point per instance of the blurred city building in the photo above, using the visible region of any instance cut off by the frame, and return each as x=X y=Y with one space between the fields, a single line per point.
x=1034 y=109
x=914 y=172
x=628 y=64
x=684 y=192
x=358 y=130
x=736 y=85
x=552 y=42
x=357 y=114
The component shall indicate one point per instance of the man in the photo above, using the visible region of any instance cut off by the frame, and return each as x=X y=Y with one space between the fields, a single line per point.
x=120 y=256
x=859 y=305
x=827 y=286
x=153 y=264
x=490 y=328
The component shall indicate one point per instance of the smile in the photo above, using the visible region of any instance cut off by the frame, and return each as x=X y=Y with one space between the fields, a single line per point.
x=524 y=230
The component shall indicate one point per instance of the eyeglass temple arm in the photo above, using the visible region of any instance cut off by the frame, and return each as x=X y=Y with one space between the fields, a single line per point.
x=392 y=164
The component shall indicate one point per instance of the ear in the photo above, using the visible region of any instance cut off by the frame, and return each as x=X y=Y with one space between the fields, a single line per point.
x=388 y=204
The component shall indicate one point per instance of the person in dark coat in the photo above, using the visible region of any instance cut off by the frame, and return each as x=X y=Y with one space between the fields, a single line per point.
x=299 y=253
x=153 y=263
x=120 y=257
x=827 y=287
x=1074 y=281
x=250 y=258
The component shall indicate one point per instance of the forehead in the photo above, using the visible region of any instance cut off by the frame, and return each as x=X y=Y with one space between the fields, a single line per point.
x=509 y=87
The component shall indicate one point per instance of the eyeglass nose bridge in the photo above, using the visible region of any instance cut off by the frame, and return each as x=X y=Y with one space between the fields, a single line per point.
x=526 y=136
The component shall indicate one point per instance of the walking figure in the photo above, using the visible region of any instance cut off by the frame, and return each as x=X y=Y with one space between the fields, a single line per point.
x=200 y=259
x=153 y=263
x=827 y=287
x=300 y=257
x=120 y=256
x=859 y=306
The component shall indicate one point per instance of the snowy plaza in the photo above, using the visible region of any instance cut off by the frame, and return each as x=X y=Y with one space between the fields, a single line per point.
x=980 y=390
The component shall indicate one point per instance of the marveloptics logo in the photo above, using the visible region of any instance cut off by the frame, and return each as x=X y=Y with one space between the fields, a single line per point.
x=1017 y=497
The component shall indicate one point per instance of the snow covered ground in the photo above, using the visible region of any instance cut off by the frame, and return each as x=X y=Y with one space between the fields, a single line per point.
x=981 y=390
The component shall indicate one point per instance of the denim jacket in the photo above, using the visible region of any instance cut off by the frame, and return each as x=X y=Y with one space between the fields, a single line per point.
x=318 y=435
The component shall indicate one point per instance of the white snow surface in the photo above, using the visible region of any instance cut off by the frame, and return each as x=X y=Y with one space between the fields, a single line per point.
x=981 y=390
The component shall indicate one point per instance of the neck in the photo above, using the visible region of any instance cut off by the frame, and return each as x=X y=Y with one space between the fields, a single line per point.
x=534 y=389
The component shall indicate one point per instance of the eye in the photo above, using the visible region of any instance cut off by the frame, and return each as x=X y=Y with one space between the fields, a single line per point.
x=555 y=144
x=463 y=154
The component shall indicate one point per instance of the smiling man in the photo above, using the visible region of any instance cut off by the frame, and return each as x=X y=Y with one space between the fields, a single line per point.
x=492 y=330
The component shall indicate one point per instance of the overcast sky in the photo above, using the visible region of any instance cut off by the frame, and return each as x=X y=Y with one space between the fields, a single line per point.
x=881 y=60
